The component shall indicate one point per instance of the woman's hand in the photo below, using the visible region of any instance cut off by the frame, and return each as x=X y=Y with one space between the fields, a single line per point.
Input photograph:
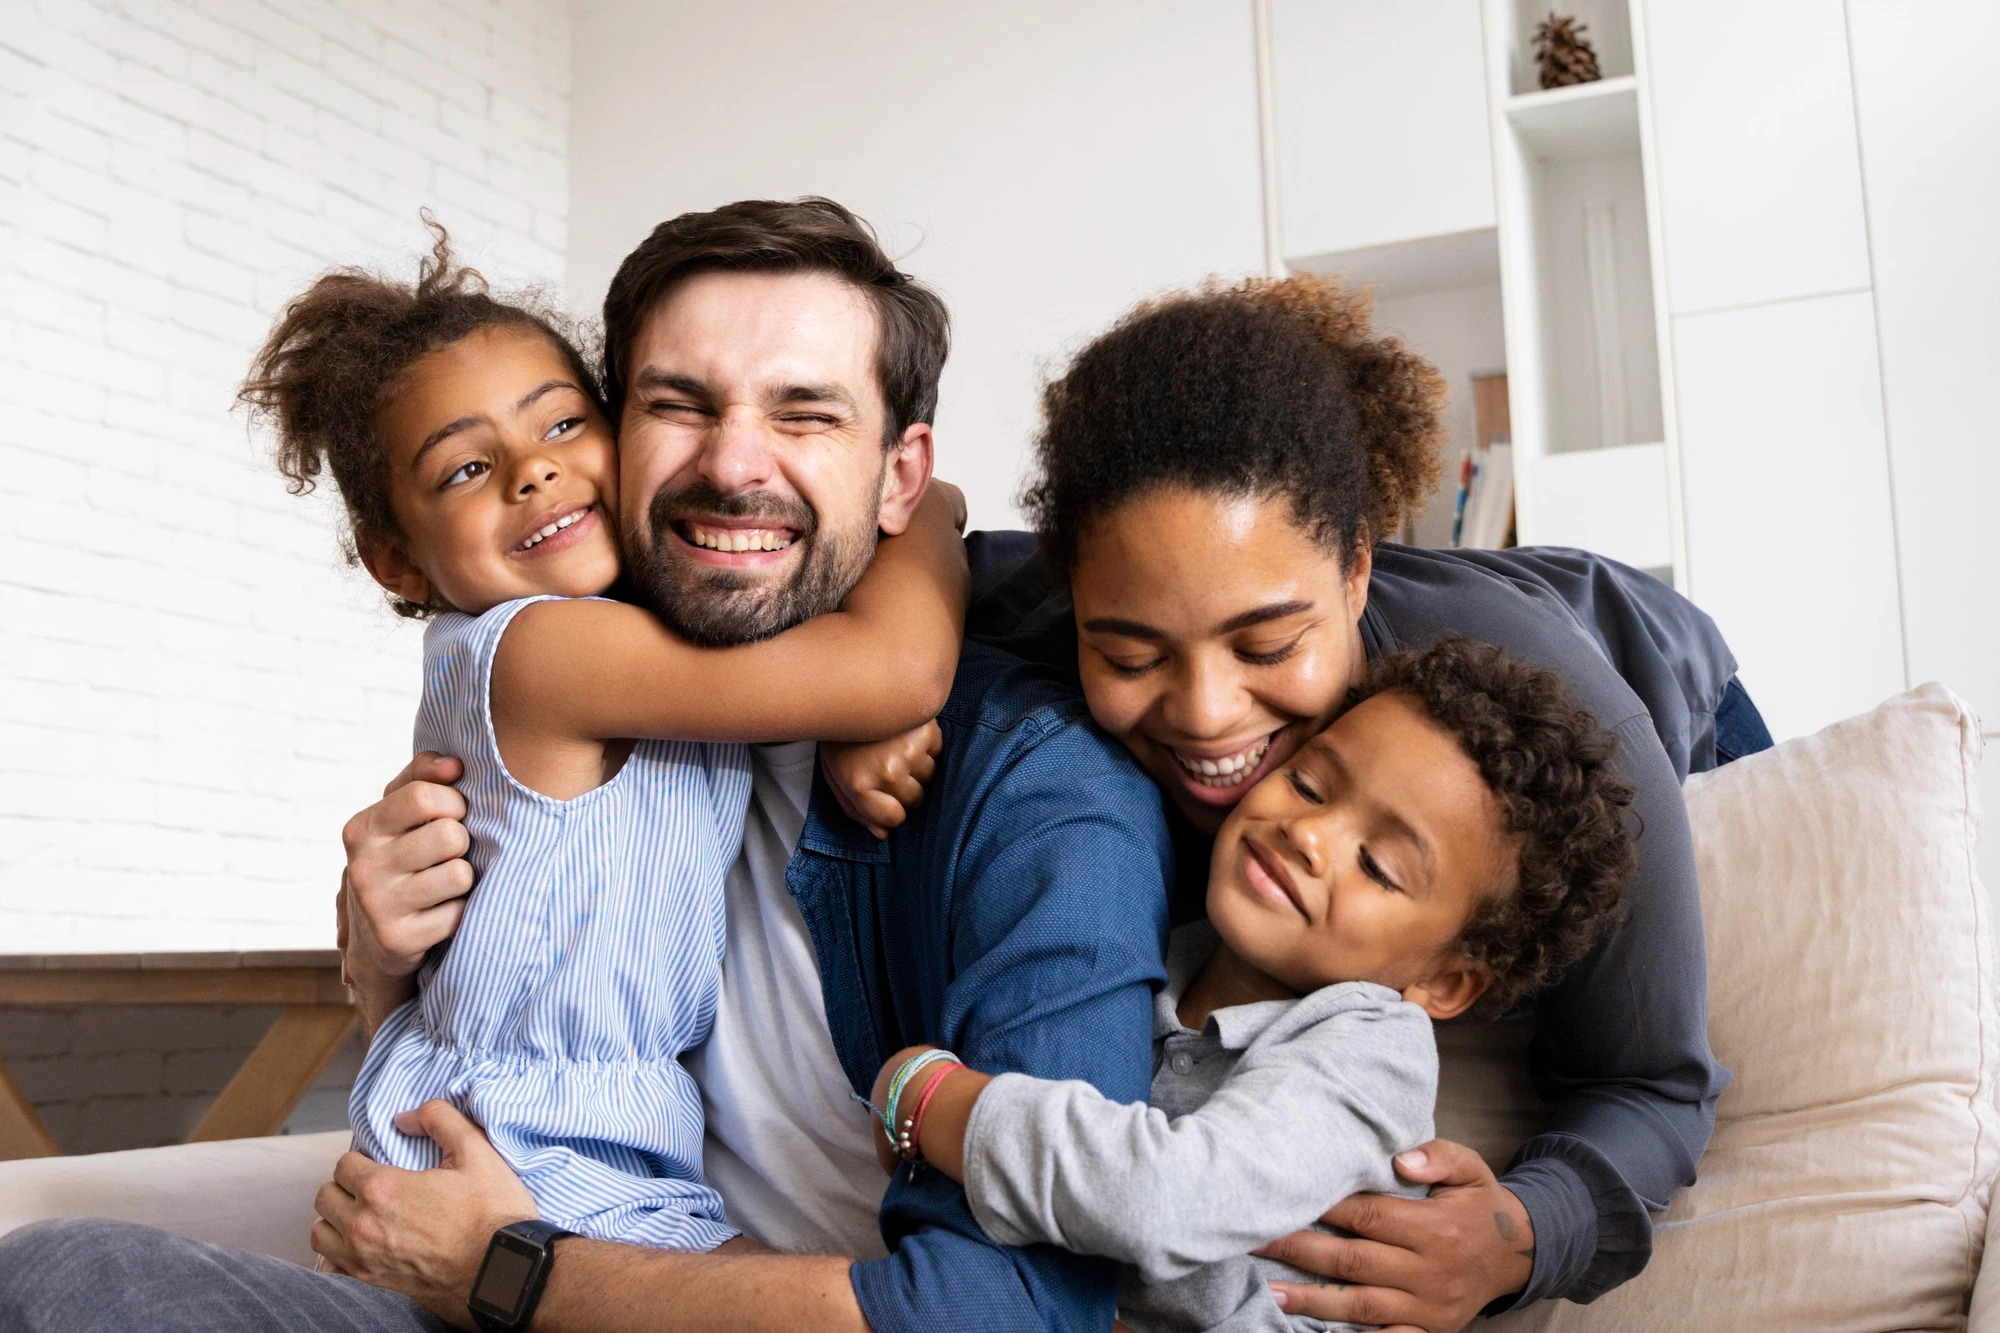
x=879 y=782
x=405 y=884
x=1415 y=1264
x=423 y=1233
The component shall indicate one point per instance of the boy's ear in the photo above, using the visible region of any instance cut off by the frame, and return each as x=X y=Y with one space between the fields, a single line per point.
x=390 y=565
x=1451 y=990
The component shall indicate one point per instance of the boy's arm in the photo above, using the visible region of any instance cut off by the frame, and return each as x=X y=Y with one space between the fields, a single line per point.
x=1050 y=928
x=882 y=664
x=1306 y=1116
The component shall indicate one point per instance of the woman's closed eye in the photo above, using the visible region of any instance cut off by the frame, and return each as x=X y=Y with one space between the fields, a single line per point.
x=1268 y=657
x=1132 y=670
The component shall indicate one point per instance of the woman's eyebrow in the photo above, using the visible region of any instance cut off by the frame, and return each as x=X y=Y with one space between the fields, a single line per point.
x=1130 y=629
x=1262 y=614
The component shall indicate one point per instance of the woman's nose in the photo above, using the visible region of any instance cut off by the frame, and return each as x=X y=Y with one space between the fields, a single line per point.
x=1207 y=702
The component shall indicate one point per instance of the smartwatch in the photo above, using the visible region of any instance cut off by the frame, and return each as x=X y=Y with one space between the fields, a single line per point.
x=510 y=1281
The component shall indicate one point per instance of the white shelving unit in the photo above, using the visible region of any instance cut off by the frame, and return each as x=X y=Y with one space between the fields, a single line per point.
x=1589 y=374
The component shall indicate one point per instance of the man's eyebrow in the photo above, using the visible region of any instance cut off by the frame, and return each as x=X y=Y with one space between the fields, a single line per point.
x=1398 y=826
x=809 y=393
x=652 y=378
x=445 y=432
x=1259 y=615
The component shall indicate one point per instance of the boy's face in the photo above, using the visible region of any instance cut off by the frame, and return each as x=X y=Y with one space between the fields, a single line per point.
x=491 y=442
x=1363 y=858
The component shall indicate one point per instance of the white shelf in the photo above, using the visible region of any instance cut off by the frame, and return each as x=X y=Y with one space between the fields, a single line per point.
x=1612 y=501
x=1579 y=123
x=1426 y=264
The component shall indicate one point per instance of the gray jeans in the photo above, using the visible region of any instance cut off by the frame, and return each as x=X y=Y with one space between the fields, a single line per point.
x=83 y=1275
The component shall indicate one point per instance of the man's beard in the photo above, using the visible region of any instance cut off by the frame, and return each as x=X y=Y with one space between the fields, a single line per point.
x=718 y=608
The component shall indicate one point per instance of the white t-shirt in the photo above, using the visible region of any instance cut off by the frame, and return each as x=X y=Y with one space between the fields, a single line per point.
x=787 y=1145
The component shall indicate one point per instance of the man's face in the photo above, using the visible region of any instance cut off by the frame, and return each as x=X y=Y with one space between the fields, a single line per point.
x=753 y=467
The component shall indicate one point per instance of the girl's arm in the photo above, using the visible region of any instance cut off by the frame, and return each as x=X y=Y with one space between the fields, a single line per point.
x=1306 y=1117
x=883 y=663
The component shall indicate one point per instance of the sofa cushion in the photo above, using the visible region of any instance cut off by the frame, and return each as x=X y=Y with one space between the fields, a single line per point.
x=1851 y=992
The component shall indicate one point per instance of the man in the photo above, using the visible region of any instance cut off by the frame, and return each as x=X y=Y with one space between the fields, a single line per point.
x=771 y=371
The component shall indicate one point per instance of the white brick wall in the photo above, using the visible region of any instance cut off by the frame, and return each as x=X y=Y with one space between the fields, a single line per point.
x=193 y=691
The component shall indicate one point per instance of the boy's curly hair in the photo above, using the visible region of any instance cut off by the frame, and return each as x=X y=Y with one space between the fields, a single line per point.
x=1552 y=770
x=341 y=347
x=1269 y=386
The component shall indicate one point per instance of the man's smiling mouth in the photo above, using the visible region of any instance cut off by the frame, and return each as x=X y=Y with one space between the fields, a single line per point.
x=731 y=540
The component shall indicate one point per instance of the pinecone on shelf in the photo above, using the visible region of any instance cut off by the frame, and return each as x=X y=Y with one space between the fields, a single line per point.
x=1563 y=54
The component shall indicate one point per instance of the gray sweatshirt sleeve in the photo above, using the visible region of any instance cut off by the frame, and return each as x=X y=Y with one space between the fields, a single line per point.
x=1313 y=1111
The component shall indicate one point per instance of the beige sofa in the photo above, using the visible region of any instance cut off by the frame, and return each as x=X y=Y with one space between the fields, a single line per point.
x=1849 y=1181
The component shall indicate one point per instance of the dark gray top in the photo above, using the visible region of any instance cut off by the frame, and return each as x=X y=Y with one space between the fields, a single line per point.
x=1621 y=1043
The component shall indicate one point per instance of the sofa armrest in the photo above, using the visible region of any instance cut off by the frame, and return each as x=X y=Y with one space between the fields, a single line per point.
x=1984 y=1316
x=256 y=1194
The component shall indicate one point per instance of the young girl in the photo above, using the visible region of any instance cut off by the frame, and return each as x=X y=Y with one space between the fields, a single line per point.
x=480 y=479
x=1456 y=836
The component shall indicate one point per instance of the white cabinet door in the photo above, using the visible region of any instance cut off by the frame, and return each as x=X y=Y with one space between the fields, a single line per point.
x=1790 y=544
x=1929 y=108
x=1753 y=123
x=1382 y=131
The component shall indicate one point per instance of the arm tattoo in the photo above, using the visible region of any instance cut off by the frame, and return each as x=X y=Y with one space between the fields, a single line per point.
x=1505 y=1226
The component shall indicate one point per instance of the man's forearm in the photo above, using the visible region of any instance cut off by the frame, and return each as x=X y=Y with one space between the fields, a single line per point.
x=600 y=1287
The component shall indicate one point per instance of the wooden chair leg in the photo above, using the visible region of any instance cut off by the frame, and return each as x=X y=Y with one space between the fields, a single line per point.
x=22 y=1133
x=278 y=1073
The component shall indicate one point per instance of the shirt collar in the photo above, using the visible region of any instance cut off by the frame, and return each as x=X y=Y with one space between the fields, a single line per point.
x=1234 y=1028
x=830 y=832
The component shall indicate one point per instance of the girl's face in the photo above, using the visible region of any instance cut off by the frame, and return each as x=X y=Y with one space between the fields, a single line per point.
x=1215 y=638
x=504 y=477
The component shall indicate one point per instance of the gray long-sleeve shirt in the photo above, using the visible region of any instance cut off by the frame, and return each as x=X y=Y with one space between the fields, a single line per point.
x=1255 y=1122
x=1621 y=1043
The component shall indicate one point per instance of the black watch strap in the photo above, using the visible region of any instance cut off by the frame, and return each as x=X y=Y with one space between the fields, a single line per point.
x=511 y=1278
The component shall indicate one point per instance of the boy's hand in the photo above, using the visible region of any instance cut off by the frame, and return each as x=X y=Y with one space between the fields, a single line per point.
x=878 y=783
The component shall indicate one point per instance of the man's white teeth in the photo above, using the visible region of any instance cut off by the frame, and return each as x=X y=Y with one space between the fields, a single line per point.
x=551 y=530
x=739 y=539
x=1226 y=771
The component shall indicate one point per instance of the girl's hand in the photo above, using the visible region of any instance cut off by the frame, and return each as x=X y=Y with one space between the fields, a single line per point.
x=880 y=782
x=885 y=1153
x=953 y=497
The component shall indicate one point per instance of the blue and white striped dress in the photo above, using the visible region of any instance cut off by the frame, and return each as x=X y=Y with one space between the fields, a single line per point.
x=587 y=963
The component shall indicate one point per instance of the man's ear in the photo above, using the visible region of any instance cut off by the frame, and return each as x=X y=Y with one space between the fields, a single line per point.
x=1451 y=990
x=390 y=565
x=906 y=473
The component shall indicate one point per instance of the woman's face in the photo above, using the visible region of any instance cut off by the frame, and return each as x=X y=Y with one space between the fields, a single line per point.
x=1215 y=638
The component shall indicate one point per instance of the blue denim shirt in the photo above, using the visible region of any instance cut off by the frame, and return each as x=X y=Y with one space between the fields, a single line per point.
x=1018 y=918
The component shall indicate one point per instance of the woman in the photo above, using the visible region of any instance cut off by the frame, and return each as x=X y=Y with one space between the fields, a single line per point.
x=1210 y=480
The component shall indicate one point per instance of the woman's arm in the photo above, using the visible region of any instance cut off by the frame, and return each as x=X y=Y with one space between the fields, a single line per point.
x=882 y=664
x=1309 y=1114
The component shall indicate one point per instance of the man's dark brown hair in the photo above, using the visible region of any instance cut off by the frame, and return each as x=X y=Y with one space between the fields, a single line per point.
x=810 y=235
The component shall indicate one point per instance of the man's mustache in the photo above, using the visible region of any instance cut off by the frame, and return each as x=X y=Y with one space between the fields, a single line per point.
x=701 y=497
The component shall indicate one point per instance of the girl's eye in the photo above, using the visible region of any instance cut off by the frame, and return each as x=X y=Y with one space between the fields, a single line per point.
x=563 y=427
x=1271 y=658
x=1301 y=786
x=1373 y=869
x=466 y=472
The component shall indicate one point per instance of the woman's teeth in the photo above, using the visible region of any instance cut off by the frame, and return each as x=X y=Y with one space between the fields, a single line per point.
x=1226 y=771
x=739 y=539
x=552 y=529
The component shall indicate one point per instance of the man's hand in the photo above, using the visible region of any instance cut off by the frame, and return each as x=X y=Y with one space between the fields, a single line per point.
x=422 y=1233
x=879 y=782
x=405 y=884
x=1415 y=1264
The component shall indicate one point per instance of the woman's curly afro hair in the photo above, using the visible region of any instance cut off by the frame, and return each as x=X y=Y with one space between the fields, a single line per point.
x=1271 y=387
x=1552 y=770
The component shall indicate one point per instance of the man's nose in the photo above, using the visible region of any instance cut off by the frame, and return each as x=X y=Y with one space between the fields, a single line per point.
x=738 y=454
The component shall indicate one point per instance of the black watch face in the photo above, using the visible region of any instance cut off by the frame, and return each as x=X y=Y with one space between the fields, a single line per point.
x=503 y=1278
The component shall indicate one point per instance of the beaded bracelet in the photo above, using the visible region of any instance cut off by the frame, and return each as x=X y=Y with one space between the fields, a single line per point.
x=886 y=1113
x=911 y=1146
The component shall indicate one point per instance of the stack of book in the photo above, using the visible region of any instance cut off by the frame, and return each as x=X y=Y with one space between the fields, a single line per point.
x=1484 y=516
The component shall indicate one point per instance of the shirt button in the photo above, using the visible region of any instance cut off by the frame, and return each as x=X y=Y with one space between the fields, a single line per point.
x=1182 y=1062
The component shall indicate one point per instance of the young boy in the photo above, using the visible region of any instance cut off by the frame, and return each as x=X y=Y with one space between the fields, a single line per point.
x=1455 y=838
